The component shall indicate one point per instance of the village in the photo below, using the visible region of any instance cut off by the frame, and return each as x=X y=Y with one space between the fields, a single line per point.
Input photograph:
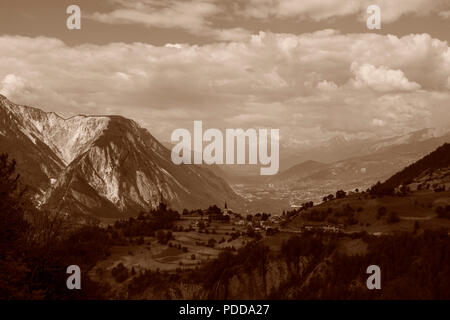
x=260 y=223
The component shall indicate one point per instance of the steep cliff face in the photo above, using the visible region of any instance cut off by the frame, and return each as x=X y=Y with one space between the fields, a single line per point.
x=36 y=161
x=132 y=171
x=67 y=138
x=245 y=284
x=104 y=166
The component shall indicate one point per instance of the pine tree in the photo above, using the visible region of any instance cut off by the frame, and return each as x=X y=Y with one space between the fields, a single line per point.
x=13 y=270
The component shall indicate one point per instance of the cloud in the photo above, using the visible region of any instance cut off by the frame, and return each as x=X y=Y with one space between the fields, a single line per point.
x=231 y=34
x=164 y=14
x=12 y=85
x=445 y=14
x=310 y=86
x=191 y=15
x=327 y=85
x=391 y=11
x=381 y=79
x=378 y=122
x=204 y=17
x=326 y=9
x=317 y=10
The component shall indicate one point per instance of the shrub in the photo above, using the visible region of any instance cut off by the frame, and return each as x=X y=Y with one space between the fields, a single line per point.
x=211 y=243
x=164 y=237
x=381 y=212
x=443 y=212
x=250 y=232
x=392 y=218
x=120 y=273
x=340 y=194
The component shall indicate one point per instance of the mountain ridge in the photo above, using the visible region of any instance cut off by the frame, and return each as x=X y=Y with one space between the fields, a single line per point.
x=105 y=166
x=435 y=160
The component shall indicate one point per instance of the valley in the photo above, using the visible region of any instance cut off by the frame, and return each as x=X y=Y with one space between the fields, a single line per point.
x=196 y=249
x=293 y=253
x=105 y=195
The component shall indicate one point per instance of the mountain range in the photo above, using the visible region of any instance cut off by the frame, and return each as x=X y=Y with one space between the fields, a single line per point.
x=372 y=161
x=102 y=166
x=110 y=167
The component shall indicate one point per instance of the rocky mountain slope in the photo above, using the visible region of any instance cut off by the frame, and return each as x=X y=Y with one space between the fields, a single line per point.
x=104 y=166
x=301 y=170
x=338 y=148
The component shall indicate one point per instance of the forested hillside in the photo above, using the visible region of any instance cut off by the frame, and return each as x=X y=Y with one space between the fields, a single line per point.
x=440 y=158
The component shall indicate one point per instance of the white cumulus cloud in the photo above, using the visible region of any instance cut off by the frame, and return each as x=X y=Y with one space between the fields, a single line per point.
x=381 y=79
x=310 y=86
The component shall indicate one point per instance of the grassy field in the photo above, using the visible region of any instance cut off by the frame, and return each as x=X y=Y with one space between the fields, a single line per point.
x=187 y=250
x=192 y=247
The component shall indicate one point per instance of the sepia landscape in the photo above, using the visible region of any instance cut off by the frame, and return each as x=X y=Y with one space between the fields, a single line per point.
x=87 y=172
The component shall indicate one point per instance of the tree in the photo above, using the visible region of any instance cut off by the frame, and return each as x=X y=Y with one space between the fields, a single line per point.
x=381 y=212
x=214 y=210
x=164 y=237
x=36 y=246
x=120 y=273
x=13 y=205
x=251 y=232
x=392 y=218
x=211 y=243
x=340 y=194
x=416 y=226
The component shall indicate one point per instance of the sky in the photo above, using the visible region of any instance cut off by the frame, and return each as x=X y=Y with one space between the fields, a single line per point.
x=309 y=68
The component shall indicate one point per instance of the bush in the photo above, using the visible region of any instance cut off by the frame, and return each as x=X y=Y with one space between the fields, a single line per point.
x=211 y=243
x=392 y=218
x=120 y=273
x=443 y=212
x=351 y=220
x=316 y=215
x=164 y=237
x=381 y=212
x=340 y=194
x=251 y=232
